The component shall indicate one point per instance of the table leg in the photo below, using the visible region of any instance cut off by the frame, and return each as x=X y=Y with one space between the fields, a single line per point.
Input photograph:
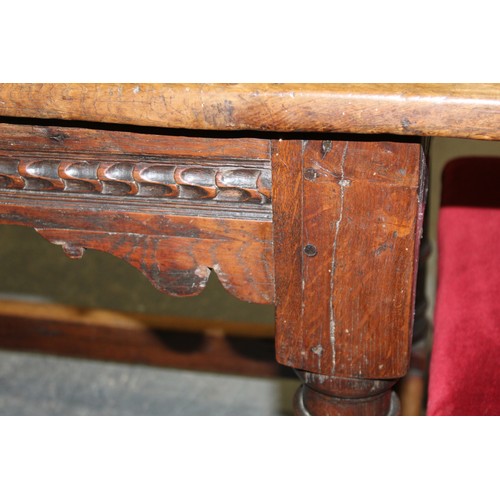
x=347 y=225
x=338 y=396
x=412 y=388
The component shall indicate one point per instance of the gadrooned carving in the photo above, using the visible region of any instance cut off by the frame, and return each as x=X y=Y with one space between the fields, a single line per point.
x=141 y=179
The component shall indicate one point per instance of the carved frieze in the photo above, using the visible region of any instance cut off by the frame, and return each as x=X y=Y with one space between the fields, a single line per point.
x=176 y=208
x=169 y=180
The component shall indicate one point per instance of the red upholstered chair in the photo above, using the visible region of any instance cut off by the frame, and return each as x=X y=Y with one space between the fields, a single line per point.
x=464 y=374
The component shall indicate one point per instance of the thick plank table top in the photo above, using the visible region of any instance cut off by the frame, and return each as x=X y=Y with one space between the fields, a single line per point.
x=452 y=110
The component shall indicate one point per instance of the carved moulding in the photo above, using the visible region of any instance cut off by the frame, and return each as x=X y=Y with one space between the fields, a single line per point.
x=174 y=219
x=248 y=182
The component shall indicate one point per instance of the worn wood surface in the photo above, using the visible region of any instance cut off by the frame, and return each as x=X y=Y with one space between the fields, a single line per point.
x=174 y=207
x=450 y=110
x=347 y=226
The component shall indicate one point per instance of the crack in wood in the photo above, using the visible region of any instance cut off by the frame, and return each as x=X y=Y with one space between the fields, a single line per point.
x=343 y=184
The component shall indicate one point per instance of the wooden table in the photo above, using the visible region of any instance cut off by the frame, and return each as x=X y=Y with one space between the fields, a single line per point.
x=310 y=197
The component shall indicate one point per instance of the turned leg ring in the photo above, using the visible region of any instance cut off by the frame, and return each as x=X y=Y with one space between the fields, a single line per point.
x=325 y=395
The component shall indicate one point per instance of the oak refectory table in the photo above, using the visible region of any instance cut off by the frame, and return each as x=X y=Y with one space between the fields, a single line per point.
x=310 y=197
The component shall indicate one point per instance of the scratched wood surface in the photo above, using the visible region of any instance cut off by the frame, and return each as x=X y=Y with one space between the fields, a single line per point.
x=176 y=208
x=450 y=110
x=345 y=281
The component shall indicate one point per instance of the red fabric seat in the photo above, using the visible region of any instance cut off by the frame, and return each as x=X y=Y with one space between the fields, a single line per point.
x=464 y=374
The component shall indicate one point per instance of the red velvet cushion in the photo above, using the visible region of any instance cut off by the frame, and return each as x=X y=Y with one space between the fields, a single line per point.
x=465 y=361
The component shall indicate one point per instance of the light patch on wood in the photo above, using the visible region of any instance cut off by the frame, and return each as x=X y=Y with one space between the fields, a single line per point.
x=334 y=253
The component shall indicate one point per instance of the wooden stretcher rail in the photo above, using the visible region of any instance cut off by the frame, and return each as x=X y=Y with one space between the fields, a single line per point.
x=450 y=110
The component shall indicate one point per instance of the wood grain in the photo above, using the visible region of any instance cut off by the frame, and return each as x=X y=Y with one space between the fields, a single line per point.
x=450 y=110
x=55 y=139
x=347 y=228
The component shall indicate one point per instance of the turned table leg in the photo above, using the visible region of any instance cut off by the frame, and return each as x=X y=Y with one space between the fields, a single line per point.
x=337 y=396
x=347 y=221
